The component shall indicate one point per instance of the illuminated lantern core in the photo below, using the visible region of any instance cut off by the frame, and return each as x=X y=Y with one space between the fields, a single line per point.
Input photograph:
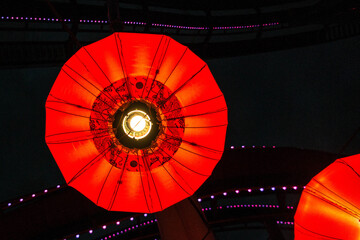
x=137 y=124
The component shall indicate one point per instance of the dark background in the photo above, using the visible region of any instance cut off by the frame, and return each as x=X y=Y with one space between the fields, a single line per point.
x=293 y=85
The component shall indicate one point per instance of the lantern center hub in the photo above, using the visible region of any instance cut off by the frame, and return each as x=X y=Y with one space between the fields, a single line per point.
x=137 y=124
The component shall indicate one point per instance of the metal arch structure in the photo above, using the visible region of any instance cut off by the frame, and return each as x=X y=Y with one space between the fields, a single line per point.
x=301 y=23
x=42 y=218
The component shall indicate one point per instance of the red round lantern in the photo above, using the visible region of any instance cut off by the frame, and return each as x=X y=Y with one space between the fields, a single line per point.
x=136 y=122
x=329 y=207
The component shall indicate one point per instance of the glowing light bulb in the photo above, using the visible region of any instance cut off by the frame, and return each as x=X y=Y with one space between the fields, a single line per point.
x=137 y=123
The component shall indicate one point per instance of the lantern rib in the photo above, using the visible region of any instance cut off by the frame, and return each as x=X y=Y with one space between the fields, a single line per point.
x=63 y=133
x=200 y=114
x=173 y=178
x=102 y=72
x=73 y=114
x=90 y=164
x=188 y=150
x=118 y=183
x=79 y=139
x=102 y=187
x=346 y=164
x=157 y=49
x=162 y=86
x=147 y=181
x=78 y=106
x=207 y=100
x=179 y=175
x=205 y=175
x=142 y=186
x=179 y=88
x=197 y=145
x=152 y=178
x=336 y=202
x=162 y=56
x=111 y=99
x=122 y=63
x=332 y=202
x=322 y=235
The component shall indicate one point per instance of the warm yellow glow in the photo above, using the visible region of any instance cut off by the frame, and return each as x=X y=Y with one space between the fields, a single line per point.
x=137 y=124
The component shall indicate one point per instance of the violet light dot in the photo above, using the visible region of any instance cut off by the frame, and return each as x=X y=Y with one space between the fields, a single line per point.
x=90 y=231
x=77 y=235
x=58 y=186
x=232 y=147
x=224 y=193
x=249 y=190
x=131 y=219
x=199 y=199
x=145 y=214
x=45 y=191
x=9 y=204
x=212 y=197
x=242 y=146
x=237 y=191
x=33 y=195
x=104 y=227
x=273 y=188
x=21 y=199
x=284 y=188
x=261 y=189
x=294 y=187
x=118 y=223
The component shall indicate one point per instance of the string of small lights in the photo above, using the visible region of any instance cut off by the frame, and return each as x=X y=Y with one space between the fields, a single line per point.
x=253 y=146
x=225 y=194
x=228 y=193
x=97 y=21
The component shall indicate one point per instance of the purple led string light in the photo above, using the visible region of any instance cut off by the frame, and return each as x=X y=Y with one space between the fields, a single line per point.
x=251 y=190
x=225 y=194
x=247 y=26
x=27 y=198
x=247 y=206
x=97 y=21
x=285 y=222
x=130 y=228
x=253 y=146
